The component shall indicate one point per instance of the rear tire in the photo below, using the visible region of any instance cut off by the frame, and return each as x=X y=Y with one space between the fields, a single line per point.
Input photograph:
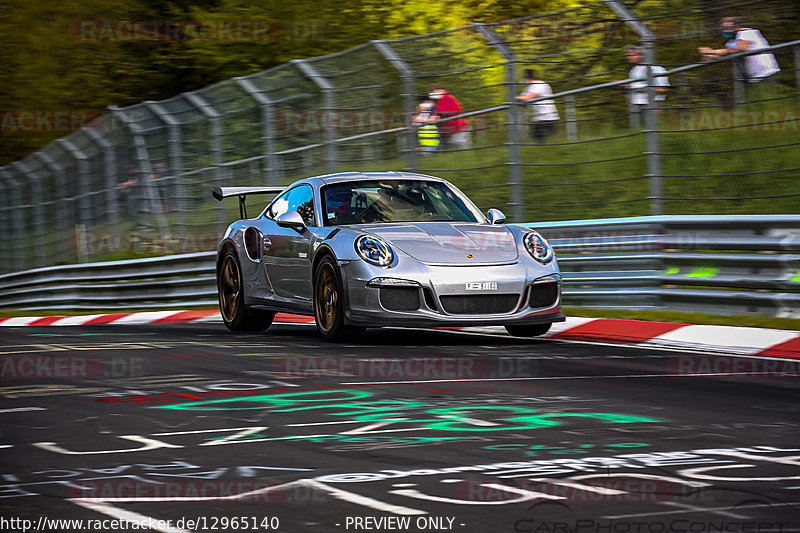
x=329 y=303
x=528 y=330
x=236 y=316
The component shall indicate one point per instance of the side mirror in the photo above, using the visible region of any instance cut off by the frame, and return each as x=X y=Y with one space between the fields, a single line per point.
x=291 y=219
x=495 y=216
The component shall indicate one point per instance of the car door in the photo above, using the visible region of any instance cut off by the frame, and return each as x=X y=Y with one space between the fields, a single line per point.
x=286 y=251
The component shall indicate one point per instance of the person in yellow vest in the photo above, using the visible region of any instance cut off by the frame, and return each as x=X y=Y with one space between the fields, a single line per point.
x=428 y=132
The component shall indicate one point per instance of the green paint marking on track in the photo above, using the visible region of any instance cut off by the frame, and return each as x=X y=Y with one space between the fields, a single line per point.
x=397 y=411
x=703 y=272
x=797 y=277
x=672 y=270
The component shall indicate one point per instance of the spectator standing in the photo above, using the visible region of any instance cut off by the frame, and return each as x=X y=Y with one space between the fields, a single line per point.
x=545 y=113
x=637 y=90
x=454 y=132
x=428 y=132
x=742 y=38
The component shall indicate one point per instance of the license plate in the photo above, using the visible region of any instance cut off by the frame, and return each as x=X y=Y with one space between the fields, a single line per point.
x=482 y=286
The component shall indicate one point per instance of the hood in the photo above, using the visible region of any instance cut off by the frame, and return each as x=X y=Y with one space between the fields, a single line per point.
x=449 y=242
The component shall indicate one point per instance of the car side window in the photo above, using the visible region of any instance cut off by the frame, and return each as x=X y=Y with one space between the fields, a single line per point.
x=300 y=199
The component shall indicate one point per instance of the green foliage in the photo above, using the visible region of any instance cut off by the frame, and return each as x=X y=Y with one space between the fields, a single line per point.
x=48 y=63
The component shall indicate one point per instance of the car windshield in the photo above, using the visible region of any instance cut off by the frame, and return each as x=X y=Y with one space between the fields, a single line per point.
x=370 y=201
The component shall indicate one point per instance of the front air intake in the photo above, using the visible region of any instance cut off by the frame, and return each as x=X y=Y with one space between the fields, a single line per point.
x=543 y=294
x=400 y=298
x=479 y=304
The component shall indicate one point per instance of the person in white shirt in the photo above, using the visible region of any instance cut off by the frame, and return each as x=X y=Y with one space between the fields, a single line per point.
x=637 y=90
x=742 y=38
x=545 y=113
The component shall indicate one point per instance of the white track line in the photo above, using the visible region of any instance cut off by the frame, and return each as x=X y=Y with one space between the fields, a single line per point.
x=358 y=499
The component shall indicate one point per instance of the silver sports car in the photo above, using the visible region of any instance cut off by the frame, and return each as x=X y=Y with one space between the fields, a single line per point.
x=373 y=249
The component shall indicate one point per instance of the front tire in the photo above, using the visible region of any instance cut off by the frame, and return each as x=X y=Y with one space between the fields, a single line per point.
x=236 y=316
x=528 y=330
x=329 y=303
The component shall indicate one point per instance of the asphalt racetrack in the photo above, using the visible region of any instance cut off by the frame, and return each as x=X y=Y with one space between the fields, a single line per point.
x=192 y=428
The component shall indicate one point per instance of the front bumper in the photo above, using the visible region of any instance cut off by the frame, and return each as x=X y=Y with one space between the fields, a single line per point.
x=431 y=289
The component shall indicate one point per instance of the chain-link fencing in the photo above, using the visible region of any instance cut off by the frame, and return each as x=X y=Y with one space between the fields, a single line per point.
x=619 y=136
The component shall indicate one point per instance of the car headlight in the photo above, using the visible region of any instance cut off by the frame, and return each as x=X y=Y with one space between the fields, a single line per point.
x=374 y=250
x=538 y=247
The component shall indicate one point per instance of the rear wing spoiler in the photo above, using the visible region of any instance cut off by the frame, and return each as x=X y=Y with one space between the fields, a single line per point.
x=220 y=193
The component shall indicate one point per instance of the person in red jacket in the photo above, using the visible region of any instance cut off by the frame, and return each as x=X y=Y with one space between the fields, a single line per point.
x=455 y=132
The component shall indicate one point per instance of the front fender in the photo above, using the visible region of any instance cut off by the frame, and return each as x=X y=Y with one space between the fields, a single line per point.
x=340 y=244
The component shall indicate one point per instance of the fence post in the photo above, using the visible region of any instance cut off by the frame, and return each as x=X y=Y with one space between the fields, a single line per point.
x=217 y=153
x=329 y=105
x=652 y=140
x=409 y=92
x=175 y=149
x=15 y=239
x=63 y=214
x=267 y=129
x=38 y=225
x=111 y=180
x=84 y=206
x=6 y=222
x=517 y=197
x=145 y=169
x=84 y=220
x=652 y=151
x=572 y=124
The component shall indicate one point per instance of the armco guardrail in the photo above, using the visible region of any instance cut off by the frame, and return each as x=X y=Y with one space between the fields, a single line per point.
x=713 y=264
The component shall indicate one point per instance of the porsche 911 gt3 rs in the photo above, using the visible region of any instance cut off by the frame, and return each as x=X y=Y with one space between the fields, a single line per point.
x=358 y=250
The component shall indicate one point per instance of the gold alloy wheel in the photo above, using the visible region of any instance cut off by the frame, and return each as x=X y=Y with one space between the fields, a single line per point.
x=229 y=288
x=325 y=297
